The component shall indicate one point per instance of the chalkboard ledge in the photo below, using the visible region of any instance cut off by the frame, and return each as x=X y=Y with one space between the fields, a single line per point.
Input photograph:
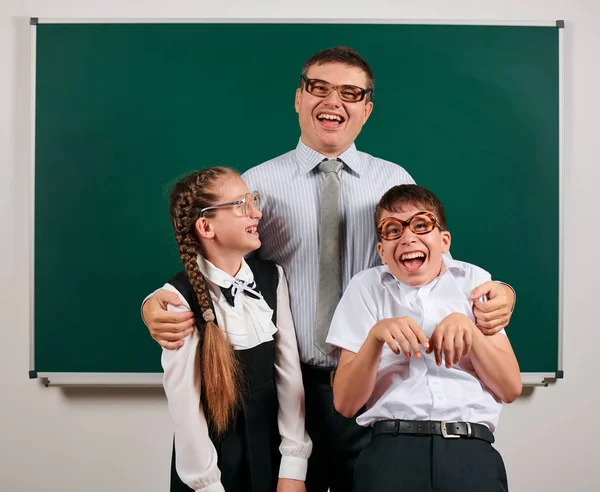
x=540 y=378
x=145 y=379
x=104 y=379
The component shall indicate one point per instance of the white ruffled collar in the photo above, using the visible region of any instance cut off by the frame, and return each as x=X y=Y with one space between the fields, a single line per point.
x=252 y=324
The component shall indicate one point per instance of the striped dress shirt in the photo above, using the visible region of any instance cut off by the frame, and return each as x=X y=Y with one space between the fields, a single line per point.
x=290 y=188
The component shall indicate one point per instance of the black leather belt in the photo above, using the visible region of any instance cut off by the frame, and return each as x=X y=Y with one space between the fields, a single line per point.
x=318 y=375
x=449 y=429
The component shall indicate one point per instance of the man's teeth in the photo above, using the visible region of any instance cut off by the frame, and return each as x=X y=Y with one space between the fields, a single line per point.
x=410 y=256
x=330 y=117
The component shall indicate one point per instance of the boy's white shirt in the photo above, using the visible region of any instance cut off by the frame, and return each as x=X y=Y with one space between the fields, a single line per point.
x=415 y=389
x=247 y=325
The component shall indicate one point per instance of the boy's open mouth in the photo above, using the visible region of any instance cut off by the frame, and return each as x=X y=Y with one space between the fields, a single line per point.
x=412 y=261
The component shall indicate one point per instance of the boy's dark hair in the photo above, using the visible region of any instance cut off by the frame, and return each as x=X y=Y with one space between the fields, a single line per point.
x=396 y=199
x=342 y=54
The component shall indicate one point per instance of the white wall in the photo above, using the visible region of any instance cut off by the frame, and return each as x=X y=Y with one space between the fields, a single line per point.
x=54 y=440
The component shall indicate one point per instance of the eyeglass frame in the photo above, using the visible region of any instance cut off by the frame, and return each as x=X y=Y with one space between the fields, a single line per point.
x=406 y=224
x=255 y=196
x=363 y=92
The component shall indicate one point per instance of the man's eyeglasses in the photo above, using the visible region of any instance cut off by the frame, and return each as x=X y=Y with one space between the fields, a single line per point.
x=322 y=88
x=392 y=228
x=249 y=205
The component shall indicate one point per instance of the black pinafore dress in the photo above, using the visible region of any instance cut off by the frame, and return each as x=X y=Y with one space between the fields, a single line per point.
x=248 y=450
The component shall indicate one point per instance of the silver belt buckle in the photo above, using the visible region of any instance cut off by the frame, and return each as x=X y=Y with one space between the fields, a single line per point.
x=445 y=434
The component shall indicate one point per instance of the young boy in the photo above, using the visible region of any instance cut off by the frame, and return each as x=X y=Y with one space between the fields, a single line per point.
x=433 y=384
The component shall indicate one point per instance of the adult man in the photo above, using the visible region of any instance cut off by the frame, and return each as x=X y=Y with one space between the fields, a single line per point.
x=333 y=102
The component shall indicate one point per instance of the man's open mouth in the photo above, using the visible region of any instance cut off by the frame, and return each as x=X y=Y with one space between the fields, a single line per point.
x=330 y=118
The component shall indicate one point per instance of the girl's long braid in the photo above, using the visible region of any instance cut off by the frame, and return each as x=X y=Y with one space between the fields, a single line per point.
x=219 y=368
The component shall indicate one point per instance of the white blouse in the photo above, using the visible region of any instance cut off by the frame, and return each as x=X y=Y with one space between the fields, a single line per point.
x=246 y=325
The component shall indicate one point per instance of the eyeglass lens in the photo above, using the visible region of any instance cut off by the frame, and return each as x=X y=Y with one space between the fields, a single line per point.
x=392 y=228
x=251 y=203
x=320 y=88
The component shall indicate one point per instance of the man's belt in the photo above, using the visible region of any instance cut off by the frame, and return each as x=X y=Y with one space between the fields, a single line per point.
x=318 y=375
x=448 y=429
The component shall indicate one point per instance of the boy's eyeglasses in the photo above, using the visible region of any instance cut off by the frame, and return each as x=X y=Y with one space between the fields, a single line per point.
x=392 y=228
x=347 y=93
x=250 y=204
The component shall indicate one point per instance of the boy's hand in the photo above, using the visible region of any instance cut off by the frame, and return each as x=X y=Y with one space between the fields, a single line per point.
x=290 y=485
x=166 y=327
x=493 y=315
x=400 y=331
x=454 y=337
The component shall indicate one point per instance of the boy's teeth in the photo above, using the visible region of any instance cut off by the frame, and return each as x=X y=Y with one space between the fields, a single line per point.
x=410 y=256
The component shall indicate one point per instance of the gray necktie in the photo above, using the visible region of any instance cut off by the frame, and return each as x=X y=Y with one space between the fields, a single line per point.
x=330 y=278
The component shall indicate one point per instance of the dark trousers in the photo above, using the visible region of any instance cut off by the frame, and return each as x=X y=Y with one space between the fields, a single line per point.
x=337 y=441
x=429 y=464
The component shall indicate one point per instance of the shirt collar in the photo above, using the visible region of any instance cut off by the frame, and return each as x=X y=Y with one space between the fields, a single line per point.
x=449 y=265
x=452 y=264
x=221 y=278
x=309 y=158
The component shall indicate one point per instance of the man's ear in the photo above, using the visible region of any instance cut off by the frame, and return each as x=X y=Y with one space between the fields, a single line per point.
x=368 y=111
x=381 y=252
x=446 y=240
x=297 y=100
x=204 y=228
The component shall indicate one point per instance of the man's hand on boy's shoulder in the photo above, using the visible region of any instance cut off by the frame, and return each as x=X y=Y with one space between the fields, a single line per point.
x=494 y=314
x=452 y=338
x=400 y=332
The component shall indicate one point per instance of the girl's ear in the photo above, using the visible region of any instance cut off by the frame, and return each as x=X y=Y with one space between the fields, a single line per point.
x=204 y=228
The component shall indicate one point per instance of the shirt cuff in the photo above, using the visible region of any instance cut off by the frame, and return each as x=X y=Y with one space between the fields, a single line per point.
x=213 y=487
x=293 y=467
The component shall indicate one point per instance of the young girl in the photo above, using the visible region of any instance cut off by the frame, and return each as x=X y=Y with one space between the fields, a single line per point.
x=235 y=388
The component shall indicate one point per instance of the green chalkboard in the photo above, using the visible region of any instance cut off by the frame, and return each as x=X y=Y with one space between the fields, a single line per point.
x=122 y=110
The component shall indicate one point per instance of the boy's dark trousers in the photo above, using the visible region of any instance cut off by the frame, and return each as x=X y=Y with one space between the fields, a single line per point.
x=393 y=463
x=337 y=441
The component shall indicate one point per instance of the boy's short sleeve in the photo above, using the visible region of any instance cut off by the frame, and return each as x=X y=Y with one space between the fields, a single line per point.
x=355 y=314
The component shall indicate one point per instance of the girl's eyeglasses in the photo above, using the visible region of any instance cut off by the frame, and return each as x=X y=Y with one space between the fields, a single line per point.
x=249 y=205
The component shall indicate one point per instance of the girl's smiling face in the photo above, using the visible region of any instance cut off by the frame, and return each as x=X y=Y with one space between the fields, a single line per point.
x=229 y=230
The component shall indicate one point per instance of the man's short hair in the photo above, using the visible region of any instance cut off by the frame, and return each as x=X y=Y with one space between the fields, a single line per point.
x=342 y=54
x=397 y=198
